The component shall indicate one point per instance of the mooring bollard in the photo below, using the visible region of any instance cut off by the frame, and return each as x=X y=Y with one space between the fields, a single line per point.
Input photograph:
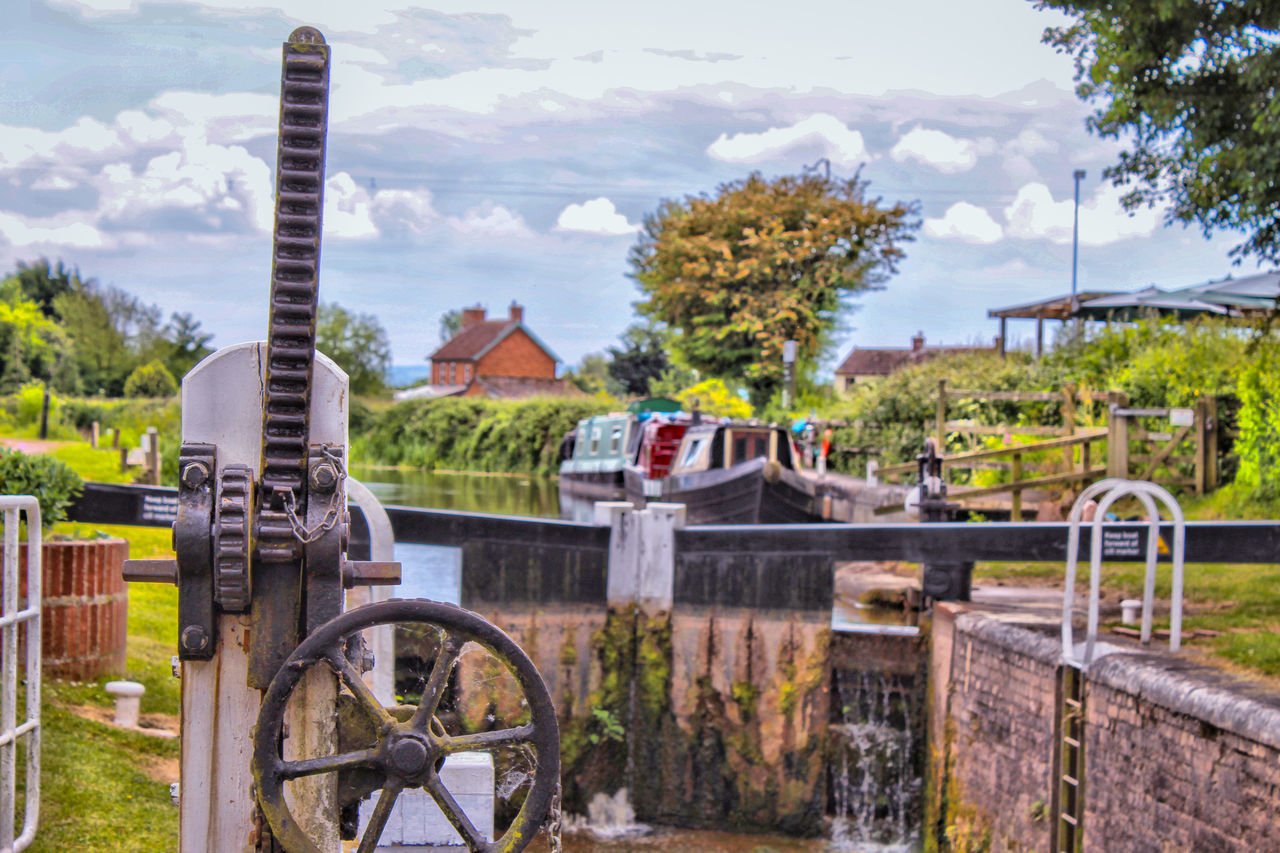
x=128 y=701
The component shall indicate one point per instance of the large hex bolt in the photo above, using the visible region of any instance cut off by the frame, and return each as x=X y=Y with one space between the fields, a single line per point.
x=324 y=477
x=194 y=475
x=194 y=638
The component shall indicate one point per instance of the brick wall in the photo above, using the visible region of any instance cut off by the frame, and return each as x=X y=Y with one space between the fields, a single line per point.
x=1178 y=756
x=517 y=355
x=997 y=733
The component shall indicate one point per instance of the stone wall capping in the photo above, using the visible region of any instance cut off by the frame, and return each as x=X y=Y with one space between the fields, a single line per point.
x=1196 y=690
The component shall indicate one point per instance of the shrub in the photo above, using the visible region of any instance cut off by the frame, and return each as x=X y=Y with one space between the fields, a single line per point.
x=1259 y=420
x=48 y=480
x=715 y=400
x=151 y=380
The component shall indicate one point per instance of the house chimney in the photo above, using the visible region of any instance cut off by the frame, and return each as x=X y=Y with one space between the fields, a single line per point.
x=517 y=312
x=472 y=315
x=917 y=343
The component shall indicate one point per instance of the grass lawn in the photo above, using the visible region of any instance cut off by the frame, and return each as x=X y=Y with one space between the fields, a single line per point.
x=103 y=788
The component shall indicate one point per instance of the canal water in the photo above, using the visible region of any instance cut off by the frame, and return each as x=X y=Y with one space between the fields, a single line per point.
x=431 y=572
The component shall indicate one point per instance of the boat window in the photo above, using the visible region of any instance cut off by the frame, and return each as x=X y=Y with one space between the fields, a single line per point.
x=749 y=446
x=595 y=440
x=692 y=452
x=615 y=439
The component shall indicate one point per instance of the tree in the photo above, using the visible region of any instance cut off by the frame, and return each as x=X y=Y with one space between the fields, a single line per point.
x=450 y=325
x=641 y=360
x=102 y=353
x=1192 y=85
x=151 y=380
x=186 y=345
x=42 y=284
x=593 y=375
x=358 y=343
x=763 y=262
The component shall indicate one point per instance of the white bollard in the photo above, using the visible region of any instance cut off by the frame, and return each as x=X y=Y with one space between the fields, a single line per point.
x=128 y=699
x=1130 y=610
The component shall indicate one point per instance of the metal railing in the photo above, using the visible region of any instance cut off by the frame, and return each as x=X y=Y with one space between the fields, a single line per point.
x=1106 y=493
x=13 y=620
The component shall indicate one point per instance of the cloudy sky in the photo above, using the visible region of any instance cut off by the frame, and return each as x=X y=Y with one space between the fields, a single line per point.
x=491 y=150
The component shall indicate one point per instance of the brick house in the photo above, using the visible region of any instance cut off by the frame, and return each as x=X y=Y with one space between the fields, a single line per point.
x=493 y=358
x=870 y=364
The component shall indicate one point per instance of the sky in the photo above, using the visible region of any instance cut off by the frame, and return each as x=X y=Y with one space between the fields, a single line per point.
x=485 y=151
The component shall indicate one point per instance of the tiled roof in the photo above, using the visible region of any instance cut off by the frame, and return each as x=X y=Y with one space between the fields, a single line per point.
x=516 y=387
x=881 y=361
x=472 y=341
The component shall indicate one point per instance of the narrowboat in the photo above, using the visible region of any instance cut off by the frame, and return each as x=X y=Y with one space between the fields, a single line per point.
x=724 y=473
x=592 y=456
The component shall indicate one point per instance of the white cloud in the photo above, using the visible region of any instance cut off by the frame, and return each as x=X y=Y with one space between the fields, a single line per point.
x=937 y=149
x=826 y=132
x=347 y=209
x=223 y=187
x=1030 y=142
x=404 y=211
x=68 y=230
x=965 y=222
x=1034 y=215
x=224 y=119
x=489 y=220
x=597 y=216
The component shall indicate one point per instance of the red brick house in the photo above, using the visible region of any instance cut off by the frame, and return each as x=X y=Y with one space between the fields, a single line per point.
x=868 y=364
x=493 y=358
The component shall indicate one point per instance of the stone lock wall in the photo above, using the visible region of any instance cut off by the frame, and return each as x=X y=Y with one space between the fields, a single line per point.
x=1178 y=756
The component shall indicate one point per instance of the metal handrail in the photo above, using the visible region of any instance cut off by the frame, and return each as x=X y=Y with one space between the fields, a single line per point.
x=12 y=620
x=1112 y=490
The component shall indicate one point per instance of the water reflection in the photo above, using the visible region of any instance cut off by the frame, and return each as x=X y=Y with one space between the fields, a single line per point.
x=500 y=494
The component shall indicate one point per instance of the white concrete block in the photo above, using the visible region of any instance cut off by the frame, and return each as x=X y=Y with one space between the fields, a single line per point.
x=416 y=822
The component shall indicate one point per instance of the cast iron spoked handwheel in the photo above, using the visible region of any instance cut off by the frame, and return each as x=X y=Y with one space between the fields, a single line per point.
x=407 y=752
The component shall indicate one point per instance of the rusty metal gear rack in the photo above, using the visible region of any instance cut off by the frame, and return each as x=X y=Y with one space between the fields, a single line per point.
x=276 y=677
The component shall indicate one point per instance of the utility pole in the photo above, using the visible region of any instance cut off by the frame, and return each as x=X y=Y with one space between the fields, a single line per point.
x=1075 y=242
x=788 y=372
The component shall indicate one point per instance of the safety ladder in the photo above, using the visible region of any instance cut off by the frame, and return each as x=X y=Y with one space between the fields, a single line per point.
x=1069 y=796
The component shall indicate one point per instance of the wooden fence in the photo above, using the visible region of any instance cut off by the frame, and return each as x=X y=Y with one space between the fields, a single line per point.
x=1174 y=447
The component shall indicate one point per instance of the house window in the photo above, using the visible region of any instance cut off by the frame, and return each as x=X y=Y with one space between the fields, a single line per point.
x=452 y=376
x=466 y=373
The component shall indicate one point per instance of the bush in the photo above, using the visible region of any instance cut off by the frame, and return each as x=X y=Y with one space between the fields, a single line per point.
x=475 y=434
x=48 y=480
x=151 y=380
x=715 y=400
x=1259 y=420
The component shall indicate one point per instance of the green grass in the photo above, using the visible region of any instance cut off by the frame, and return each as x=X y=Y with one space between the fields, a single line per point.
x=97 y=794
x=100 y=466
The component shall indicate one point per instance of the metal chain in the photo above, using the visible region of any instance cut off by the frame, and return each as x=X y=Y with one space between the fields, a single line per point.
x=300 y=531
x=554 y=822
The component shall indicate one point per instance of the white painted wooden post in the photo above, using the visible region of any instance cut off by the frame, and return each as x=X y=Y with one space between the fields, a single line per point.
x=657 y=559
x=381 y=640
x=222 y=400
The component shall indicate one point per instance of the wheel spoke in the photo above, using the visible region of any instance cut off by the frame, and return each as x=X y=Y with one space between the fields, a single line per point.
x=454 y=813
x=368 y=702
x=328 y=764
x=378 y=820
x=481 y=741
x=450 y=649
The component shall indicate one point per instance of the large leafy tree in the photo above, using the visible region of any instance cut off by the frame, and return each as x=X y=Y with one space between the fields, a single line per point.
x=358 y=343
x=641 y=359
x=761 y=262
x=1191 y=86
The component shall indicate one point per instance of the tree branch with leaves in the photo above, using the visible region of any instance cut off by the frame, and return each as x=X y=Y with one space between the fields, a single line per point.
x=761 y=262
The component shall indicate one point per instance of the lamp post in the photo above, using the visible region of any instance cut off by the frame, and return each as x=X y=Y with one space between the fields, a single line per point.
x=788 y=372
x=1075 y=242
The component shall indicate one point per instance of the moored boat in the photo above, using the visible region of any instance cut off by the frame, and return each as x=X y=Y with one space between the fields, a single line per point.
x=594 y=453
x=724 y=473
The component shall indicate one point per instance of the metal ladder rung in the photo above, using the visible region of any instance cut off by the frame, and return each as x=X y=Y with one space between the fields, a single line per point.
x=1073 y=782
x=1070 y=741
x=1074 y=704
